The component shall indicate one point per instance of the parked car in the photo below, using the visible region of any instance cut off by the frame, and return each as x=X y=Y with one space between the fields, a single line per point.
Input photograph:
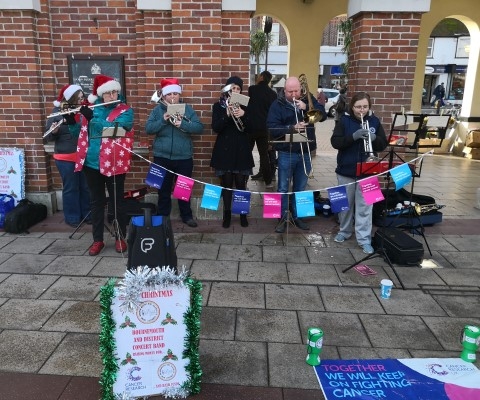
x=332 y=98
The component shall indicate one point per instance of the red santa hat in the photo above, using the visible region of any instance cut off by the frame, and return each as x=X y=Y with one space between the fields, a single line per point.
x=101 y=85
x=66 y=92
x=170 y=85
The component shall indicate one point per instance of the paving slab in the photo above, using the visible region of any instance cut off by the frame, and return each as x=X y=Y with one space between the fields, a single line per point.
x=314 y=274
x=69 y=247
x=362 y=353
x=463 y=243
x=244 y=295
x=107 y=266
x=410 y=302
x=26 y=286
x=459 y=306
x=240 y=252
x=28 y=245
x=27 y=351
x=76 y=355
x=448 y=331
x=75 y=316
x=26 y=263
x=204 y=251
x=27 y=314
x=414 y=277
x=293 y=297
x=74 y=288
x=350 y=300
x=226 y=238
x=263 y=272
x=250 y=362
x=464 y=259
x=285 y=254
x=326 y=255
x=460 y=276
x=212 y=270
x=218 y=323
x=70 y=265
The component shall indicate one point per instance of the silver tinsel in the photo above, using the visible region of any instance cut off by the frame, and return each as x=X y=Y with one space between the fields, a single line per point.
x=146 y=278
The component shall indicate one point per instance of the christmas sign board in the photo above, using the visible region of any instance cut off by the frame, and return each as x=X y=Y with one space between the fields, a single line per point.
x=149 y=341
x=12 y=172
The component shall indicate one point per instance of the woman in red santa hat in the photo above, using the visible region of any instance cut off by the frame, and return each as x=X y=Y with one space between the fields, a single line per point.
x=75 y=197
x=103 y=158
x=172 y=147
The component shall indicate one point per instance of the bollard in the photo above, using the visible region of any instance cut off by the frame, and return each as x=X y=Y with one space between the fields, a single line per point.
x=470 y=343
x=314 y=346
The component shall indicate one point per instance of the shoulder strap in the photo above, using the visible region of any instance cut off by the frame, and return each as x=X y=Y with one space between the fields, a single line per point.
x=119 y=109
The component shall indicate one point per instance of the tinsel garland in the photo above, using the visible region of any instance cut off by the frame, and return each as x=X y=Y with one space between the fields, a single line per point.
x=130 y=289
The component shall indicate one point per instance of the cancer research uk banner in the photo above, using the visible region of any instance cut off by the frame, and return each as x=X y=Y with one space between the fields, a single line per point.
x=399 y=379
x=150 y=342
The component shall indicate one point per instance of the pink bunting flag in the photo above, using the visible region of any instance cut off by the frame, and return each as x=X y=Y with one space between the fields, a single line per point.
x=183 y=188
x=272 y=205
x=371 y=191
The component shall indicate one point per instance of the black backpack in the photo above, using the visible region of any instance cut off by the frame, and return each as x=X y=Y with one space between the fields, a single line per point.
x=150 y=242
x=24 y=215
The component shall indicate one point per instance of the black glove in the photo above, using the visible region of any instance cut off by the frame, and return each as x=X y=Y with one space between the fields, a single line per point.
x=360 y=134
x=86 y=112
x=70 y=119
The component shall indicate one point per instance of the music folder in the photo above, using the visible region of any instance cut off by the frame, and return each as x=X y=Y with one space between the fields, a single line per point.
x=237 y=98
x=113 y=131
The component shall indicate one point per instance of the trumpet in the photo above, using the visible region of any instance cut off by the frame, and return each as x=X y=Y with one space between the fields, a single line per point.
x=307 y=174
x=76 y=110
x=367 y=141
x=231 y=108
x=425 y=208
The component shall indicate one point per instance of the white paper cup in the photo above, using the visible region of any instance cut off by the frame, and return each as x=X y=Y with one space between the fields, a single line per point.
x=386 y=288
x=326 y=210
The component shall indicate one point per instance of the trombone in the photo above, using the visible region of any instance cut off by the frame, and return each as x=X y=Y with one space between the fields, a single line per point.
x=75 y=110
x=367 y=141
x=231 y=108
x=307 y=174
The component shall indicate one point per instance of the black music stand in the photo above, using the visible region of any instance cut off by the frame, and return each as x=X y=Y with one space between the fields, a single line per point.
x=380 y=251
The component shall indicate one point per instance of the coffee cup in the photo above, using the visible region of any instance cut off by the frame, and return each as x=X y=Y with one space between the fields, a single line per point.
x=385 y=288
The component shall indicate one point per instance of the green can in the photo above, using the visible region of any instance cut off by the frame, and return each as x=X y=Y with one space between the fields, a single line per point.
x=470 y=343
x=314 y=346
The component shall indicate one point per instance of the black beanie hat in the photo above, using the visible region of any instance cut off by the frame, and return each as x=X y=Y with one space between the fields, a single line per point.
x=236 y=80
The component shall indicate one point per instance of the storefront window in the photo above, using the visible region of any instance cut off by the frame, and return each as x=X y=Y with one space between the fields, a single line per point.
x=458 y=85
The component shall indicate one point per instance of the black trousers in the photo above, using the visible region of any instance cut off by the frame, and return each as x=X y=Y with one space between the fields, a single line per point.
x=261 y=139
x=115 y=187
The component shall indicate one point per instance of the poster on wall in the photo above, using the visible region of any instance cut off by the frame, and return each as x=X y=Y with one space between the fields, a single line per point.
x=12 y=172
x=83 y=69
x=150 y=332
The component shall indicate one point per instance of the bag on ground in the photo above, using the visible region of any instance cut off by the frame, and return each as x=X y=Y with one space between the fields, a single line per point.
x=7 y=203
x=24 y=215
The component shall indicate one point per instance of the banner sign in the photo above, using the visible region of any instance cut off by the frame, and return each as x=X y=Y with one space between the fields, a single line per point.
x=399 y=379
x=150 y=325
x=12 y=172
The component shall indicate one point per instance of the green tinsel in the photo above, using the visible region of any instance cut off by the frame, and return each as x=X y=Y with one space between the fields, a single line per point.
x=107 y=340
x=133 y=283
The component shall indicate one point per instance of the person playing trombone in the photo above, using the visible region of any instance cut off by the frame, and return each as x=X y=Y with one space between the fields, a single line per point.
x=355 y=132
x=103 y=162
x=286 y=116
x=231 y=155
x=172 y=146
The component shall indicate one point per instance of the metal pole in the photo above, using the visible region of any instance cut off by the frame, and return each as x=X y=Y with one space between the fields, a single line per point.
x=266 y=53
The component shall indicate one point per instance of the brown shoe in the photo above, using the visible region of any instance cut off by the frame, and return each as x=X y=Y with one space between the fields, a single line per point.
x=96 y=248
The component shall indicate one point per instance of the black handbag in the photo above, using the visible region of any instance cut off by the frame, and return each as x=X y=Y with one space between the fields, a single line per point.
x=24 y=215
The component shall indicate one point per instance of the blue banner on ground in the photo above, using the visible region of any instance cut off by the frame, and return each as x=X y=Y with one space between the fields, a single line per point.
x=413 y=379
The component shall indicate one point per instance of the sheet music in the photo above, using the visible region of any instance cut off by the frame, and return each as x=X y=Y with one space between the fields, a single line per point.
x=239 y=98
x=108 y=132
x=174 y=109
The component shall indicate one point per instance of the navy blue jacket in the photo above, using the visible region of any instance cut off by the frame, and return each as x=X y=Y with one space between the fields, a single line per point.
x=281 y=119
x=350 y=151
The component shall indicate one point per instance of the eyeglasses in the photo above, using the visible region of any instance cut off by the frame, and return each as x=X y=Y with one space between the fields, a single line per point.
x=360 y=107
x=111 y=93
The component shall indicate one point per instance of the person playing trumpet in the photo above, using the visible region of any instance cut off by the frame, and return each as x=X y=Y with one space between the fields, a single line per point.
x=349 y=137
x=172 y=146
x=231 y=155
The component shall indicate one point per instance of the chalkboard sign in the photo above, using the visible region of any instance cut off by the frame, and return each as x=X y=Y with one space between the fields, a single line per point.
x=83 y=69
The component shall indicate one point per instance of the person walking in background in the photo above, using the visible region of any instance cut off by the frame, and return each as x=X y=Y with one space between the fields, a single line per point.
x=231 y=156
x=341 y=105
x=285 y=116
x=321 y=98
x=261 y=98
x=75 y=197
x=172 y=146
x=348 y=138
x=105 y=164
x=439 y=93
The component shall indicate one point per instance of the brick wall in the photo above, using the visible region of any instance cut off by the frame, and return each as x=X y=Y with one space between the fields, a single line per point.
x=196 y=42
x=383 y=59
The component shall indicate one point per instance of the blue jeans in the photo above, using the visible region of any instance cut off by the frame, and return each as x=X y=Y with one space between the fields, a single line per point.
x=76 y=199
x=291 y=166
x=181 y=167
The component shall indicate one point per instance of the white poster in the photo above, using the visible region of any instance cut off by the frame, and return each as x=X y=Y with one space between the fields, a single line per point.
x=12 y=172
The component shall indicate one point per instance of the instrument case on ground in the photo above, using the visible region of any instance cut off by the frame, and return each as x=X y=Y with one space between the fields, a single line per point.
x=24 y=215
x=394 y=218
x=400 y=247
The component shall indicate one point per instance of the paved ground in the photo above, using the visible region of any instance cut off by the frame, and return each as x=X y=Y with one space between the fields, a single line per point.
x=261 y=292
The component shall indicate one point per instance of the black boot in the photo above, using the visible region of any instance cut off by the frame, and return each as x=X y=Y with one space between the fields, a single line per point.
x=243 y=220
x=227 y=217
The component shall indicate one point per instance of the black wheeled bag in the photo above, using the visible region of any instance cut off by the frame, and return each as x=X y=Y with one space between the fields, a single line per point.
x=150 y=242
x=401 y=248
x=24 y=215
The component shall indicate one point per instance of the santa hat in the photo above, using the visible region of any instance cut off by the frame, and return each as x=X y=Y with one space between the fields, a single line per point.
x=101 y=85
x=66 y=92
x=170 y=85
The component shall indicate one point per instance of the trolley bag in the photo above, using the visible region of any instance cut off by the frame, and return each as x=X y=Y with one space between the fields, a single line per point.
x=150 y=242
x=24 y=215
x=400 y=247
